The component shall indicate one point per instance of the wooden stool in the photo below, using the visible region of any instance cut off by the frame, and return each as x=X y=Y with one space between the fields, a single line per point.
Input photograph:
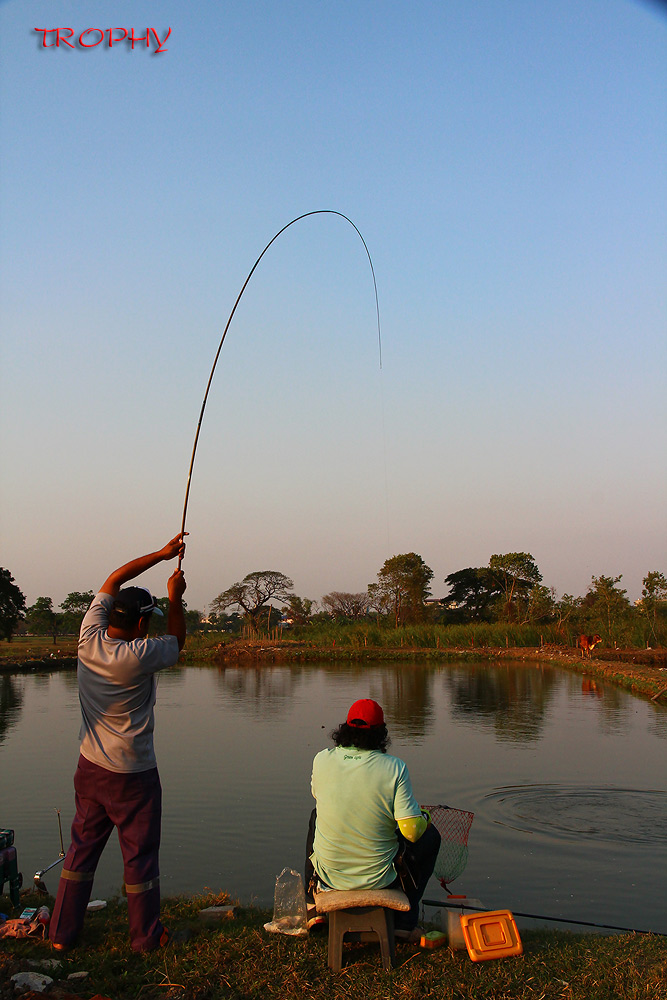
x=366 y=914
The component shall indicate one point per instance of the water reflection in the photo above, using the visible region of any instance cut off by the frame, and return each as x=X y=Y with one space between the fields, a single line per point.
x=10 y=704
x=267 y=688
x=591 y=687
x=658 y=725
x=567 y=784
x=405 y=691
x=514 y=701
x=612 y=707
x=407 y=699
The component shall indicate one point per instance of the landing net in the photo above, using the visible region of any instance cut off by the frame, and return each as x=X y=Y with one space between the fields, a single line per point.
x=453 y=825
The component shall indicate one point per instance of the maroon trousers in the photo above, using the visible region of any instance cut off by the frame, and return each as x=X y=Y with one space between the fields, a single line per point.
x=131 y=802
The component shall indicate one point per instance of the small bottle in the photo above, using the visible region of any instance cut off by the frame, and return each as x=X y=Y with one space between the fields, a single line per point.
x=43 y=916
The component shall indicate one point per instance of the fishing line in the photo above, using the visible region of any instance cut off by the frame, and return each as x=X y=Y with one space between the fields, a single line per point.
x=321 y=211
x=462 y=905
x=386 y=474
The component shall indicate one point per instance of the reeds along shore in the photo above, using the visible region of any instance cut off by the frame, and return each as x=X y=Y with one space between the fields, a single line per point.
x=372 y=637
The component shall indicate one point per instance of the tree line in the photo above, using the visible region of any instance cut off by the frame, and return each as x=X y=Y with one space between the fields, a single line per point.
x=508 y=590
x=44 y=619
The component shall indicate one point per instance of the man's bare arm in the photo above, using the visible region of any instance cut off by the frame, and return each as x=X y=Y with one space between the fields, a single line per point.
x=176 y=616
x=122 y=575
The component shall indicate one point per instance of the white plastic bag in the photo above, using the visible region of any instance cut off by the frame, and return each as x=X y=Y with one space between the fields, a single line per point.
x=289 y=905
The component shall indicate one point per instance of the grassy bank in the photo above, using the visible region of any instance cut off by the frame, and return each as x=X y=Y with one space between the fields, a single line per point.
x=382 y=642
x=639 y=670
x=238 y=959
x=34 y=651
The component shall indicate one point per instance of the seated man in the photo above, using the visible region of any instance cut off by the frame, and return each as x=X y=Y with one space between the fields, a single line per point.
x=367 y=830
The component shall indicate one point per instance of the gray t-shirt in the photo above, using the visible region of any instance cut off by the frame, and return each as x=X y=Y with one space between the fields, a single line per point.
x=117 y=687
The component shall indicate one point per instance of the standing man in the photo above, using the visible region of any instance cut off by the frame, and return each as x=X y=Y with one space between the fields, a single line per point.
x=368 y=830
x=116 y=781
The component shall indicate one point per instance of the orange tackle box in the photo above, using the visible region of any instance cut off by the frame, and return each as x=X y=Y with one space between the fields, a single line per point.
x=491 y=935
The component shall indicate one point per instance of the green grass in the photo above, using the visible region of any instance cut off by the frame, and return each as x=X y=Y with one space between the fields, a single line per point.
x=351 y=637
x=238 y=959
x=37 y=648
x=358 y=636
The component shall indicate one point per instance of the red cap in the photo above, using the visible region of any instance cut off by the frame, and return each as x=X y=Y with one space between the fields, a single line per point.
x=365 y=713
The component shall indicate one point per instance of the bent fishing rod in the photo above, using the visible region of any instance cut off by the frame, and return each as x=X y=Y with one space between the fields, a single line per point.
x=321 y=211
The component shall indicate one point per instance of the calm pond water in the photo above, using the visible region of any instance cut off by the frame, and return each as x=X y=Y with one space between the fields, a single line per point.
x=568 y=781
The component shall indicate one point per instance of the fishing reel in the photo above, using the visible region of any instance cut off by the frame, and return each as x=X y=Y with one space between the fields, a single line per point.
x=38 y=876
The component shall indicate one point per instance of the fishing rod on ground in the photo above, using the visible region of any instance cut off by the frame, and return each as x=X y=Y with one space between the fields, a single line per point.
x=321 y=211
x=462 y=905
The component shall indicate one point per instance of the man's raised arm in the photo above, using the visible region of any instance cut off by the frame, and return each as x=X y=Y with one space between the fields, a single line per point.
x=122 y=575
x=176 y=616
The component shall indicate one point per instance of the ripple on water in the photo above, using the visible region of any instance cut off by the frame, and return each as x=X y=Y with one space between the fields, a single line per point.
x=612 y=815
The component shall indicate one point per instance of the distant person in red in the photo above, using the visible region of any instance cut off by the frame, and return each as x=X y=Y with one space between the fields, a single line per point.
x=116 y=782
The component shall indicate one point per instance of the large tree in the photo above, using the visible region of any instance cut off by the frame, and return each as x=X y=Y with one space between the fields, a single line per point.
x=159 y=624
x=566 y=611
x=74 y=608
x=12 y=605
x=508 y=589
x=253 y=593
x=43 y=619
x=300 y=609
x=606 y=608
x=516 y=574
x=654 y=600
x=224 y=622
x=402 y=588
x=472 y=595
x=541 y=605
x=342 y=604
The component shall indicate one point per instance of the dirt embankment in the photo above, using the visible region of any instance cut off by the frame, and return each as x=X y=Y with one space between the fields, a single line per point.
x=642 y=671
x=30 y=665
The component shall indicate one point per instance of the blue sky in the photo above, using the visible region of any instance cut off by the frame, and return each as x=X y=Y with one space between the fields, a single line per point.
x=505 y=162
